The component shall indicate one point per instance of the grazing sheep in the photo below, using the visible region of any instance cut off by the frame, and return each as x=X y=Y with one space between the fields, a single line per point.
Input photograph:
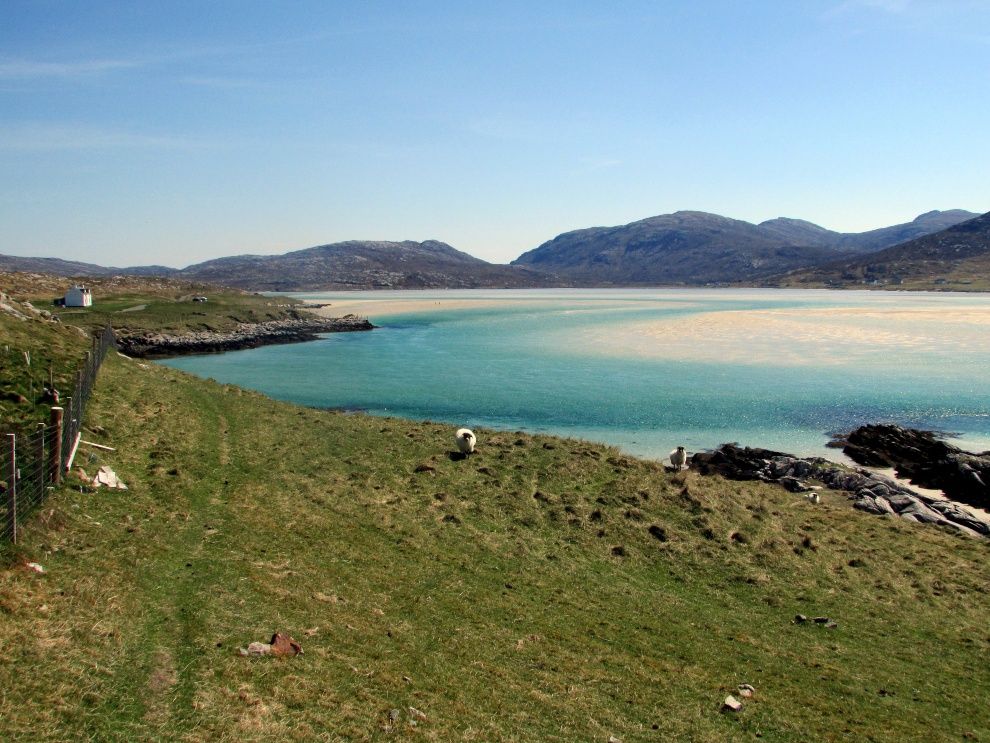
x=465 y=439
x=814 y=498
x=678 y=458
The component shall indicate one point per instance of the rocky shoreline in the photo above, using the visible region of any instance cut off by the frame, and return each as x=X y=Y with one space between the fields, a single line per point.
x=247 y=335
x=923 y=459
x=869 y=491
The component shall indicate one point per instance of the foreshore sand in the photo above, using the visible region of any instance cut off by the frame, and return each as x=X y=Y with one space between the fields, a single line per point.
x=784 y=336
x=371 y=306
x=795 y=337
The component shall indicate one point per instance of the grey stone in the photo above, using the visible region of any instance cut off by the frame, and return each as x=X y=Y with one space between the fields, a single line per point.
x=880 y=490
x=964 y=530
x=793 y=485
x=922 y=513
x=869 y=504
x=874 y=493
x=884 y=505
x=900 y=501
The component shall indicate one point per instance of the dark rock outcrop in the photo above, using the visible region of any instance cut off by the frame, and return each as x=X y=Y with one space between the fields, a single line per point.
x=870 y=492
x=925 y=460
x=247 y=335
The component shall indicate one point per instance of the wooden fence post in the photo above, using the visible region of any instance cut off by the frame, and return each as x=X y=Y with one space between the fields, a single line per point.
x=56 y=452
x=12 y=488
x=41 y=460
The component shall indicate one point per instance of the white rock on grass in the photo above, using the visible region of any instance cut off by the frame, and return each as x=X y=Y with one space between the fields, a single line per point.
x=731 y=704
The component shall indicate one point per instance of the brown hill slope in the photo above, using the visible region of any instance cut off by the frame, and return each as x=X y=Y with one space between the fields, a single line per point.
x=956 y=258
x=364 y=264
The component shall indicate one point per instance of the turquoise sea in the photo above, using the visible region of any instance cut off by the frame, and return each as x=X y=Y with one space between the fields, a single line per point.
x=645 y=370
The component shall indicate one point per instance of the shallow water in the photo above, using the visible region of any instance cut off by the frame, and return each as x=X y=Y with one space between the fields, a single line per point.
x=645 y=370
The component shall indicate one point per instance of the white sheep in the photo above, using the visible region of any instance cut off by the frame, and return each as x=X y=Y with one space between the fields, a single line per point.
x=465 y=439
x=678 y=458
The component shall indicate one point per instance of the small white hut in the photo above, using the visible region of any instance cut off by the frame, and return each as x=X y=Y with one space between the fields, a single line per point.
x=79 y=296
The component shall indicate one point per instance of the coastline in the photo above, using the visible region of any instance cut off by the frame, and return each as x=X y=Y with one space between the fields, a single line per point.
x=247 y=335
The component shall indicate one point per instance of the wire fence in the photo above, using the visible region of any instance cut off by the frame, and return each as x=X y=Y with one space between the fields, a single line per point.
x=33 y=460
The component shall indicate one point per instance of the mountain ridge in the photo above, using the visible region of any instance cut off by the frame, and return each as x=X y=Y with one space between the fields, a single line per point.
x=956 y=257
x=686 y=247
x=696 y=248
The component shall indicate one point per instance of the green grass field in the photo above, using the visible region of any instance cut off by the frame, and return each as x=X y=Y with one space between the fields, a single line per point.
x=136 y=312
x=541 y=590
x=34 y=354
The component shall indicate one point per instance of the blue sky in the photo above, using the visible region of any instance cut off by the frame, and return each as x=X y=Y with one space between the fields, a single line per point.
x=134 y=133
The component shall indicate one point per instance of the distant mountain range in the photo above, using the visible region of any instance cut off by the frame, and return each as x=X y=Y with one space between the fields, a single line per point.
x=955 y=258
x=700 y=248
x=363 y=264
x=684 y=248
x=60 y=267
x=355 y=264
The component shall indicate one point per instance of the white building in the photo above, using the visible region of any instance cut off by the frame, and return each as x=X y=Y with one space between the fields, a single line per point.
x=79 y=296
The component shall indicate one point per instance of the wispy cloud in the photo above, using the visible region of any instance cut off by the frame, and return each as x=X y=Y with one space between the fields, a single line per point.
x=25 y=69
x=52 y=137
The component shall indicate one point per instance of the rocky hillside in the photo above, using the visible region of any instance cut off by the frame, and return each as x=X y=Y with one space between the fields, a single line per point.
x=800 y=232
x=355 y=264
x=687 y=247
x=364 y=264
x=699 y=248
x=955 y=258
x=924 y=224
x=59 y=267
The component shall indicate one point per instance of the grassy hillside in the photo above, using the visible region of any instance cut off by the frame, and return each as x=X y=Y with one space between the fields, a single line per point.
x=136 y=304
x=135 y=312
x=34 y=353
x=542 y=590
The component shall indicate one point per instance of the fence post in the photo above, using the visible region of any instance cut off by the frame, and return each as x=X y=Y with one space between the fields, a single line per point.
x=56 y=452
x=41 y=461
x=12 y=488
x=66 y=429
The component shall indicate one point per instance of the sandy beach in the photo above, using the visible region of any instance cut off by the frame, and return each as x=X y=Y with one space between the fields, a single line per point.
x=796 y=337
x=371 y=307
x=820 y=336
